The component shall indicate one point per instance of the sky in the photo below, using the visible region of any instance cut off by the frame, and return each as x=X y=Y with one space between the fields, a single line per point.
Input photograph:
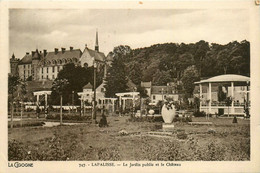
x=48 y=29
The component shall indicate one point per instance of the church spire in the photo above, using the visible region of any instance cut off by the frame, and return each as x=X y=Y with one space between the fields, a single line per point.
x=96 y=45
x=13 y=57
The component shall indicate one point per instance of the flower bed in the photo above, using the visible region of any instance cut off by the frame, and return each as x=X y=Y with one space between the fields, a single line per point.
x=17 y=124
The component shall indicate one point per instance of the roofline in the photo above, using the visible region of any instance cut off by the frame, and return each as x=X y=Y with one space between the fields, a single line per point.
x=208 y=80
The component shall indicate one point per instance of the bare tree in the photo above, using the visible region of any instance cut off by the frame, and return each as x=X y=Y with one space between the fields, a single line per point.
x=60 y=87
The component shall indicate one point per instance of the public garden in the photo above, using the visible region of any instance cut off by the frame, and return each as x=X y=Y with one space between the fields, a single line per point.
x=131 y=138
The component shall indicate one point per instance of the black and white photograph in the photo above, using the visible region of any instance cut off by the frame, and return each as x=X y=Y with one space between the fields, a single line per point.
x=130 y=87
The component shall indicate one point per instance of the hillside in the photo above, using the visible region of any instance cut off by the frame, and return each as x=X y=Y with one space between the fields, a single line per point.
x=161 y=63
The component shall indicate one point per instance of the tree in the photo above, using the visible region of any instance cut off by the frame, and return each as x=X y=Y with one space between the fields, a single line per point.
x=148 y=73
x=221 y=94
x=228 y=103
x=77 y=77
x=13 y=82
x=134 y=71
x=196 y=104
x=223 y=61
x=190 y=76
x=161 y=77
x=121 y=51
x=183 y=61
x=21 y=95
x=116 y=80
x=237 y=63
x=142 y=91
x=201 y=51
x=59 y=86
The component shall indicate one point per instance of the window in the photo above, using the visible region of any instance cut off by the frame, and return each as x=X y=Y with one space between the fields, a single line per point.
x=53 y=77
x=42 y=70
x=53 y=69
x=58 y=68
x=47 y=70
x=47 y=77
x=42 y=76
x=154 y=97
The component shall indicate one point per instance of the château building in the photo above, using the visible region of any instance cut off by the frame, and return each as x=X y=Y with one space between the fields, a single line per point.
x=45 y=65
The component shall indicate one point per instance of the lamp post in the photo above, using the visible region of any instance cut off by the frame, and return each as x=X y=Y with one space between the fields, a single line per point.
x=94 y=100
x=247 y=94
x=162 y=101
x=133 y=101
x=72 y=101
x=162 y=93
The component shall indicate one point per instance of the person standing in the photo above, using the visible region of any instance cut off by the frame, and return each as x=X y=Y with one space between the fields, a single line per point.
x=38 y=111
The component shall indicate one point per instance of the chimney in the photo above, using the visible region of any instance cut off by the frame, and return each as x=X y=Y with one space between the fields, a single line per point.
x=56 y=50
x=86 y=46
x=63 y=50
x=33 y=53
x=27 y=53
x=71 y=48
x=44 y=52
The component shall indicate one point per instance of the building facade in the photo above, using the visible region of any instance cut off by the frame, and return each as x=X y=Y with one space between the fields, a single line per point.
x=160 y=93
x=236 y=87
x=45 y=65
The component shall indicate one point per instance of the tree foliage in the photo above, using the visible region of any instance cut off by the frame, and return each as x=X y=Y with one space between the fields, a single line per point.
x=116 y=80
x=190 y=76
x=13 y=82
x=77 y=78
x=162 y=63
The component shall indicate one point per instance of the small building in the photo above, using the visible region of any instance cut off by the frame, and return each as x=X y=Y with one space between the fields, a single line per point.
x=87 y=96
x=160 y=93
x=87 y=88
x=213 y=91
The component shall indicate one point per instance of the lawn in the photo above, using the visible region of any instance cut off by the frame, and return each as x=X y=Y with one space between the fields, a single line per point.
x=221 y=141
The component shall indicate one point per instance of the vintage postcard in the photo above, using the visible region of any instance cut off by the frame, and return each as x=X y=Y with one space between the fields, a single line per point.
x=152 y=86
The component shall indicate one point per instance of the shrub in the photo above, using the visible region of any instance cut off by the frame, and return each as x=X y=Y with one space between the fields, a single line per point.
x=109 y=154
x=234 y=119
x=68 y=117
x=187 y=119
x=175 y=119
x=200 y=114
x=182 y=119
x=182 y=135
x=26 y=124
x=15 y=151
